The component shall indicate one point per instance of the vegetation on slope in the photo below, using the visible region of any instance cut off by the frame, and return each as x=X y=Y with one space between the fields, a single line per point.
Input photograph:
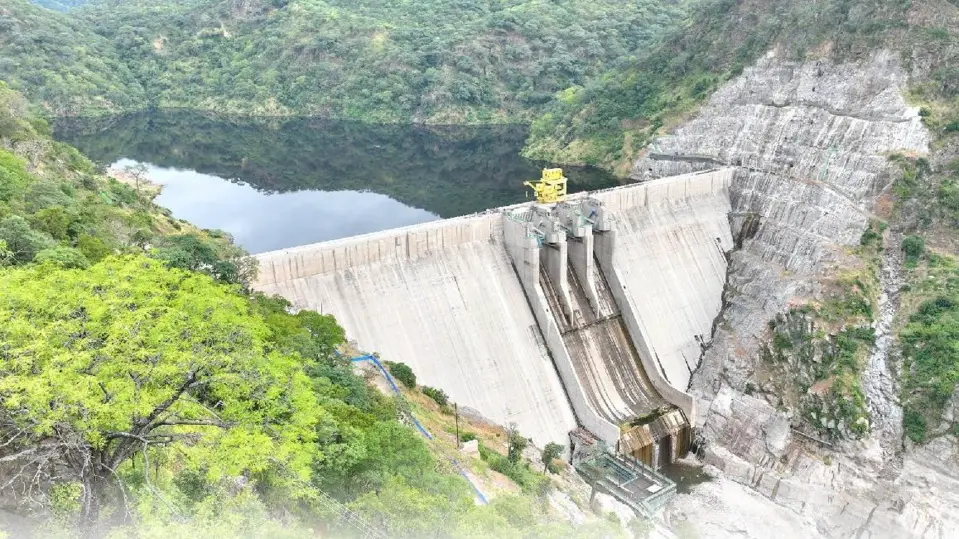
x=59 y=63
x=929 y=348
x=469 y=61
x=817 y=352
x=926 y=206
x=609 y=120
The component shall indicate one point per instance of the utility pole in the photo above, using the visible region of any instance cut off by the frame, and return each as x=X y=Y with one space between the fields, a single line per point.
x=456 y=414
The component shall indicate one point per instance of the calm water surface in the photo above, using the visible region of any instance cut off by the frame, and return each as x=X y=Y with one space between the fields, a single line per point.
x=278 y=184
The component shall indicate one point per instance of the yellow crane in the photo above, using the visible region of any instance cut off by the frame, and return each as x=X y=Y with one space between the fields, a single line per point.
x=551 y=187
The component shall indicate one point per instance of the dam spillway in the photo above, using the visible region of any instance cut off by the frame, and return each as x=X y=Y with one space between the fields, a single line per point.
x=600 y=330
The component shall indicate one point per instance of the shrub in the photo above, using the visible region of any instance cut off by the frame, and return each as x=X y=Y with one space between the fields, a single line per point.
x=519 y=472
x=551 y=452
x=22 y=240
x=438 y=395
x=914 y=247
x=65 y=257
x=403 y=373
x=782 y=342
x=92 y=247
x=915 y=425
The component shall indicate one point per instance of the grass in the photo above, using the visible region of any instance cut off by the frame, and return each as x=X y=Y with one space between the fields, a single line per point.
x=929 y=337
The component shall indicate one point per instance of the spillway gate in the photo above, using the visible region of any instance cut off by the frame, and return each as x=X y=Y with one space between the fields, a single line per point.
x=563 y=254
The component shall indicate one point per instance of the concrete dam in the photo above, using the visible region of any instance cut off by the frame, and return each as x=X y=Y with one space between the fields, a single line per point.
x=586 y=314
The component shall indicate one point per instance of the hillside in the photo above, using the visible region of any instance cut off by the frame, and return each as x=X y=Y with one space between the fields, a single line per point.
x=611 y=119
x=434 y=61
x=61 y=65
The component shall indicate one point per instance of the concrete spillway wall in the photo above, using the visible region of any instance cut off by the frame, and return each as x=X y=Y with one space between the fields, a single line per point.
x=444 y=297
x=668 y=266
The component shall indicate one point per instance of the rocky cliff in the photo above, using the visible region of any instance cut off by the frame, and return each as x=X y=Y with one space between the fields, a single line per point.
x=812 y=141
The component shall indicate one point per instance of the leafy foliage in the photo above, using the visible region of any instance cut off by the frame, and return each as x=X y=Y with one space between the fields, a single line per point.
x=403 y=373
x=470 y=61
x=551 y=452
x=60 y=63
x=127 y=369
x=914 y=247
x=438 y=395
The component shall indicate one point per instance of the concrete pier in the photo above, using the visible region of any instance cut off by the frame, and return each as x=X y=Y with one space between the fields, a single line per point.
x=462 y=301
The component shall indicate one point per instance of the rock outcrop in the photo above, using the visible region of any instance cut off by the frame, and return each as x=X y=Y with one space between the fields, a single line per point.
x=811 y=141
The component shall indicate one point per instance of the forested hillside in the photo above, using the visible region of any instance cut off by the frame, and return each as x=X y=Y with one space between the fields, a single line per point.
x=611 y=118
x=467 y=61
x=144 y=391
x=60 y=64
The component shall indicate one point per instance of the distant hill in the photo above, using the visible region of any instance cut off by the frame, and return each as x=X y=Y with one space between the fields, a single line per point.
x=61 y=65
x=434 y=61
x=607 y=121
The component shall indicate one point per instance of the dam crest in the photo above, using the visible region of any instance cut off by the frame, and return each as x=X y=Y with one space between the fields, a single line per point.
x=587 y=314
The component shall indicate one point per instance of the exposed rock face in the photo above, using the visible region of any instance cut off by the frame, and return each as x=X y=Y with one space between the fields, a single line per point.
x=812 y=142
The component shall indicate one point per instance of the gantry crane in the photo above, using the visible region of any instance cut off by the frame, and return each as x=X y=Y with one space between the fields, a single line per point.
x=551 y=188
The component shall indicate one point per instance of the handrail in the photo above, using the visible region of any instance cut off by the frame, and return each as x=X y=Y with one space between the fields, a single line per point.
x=408 y=413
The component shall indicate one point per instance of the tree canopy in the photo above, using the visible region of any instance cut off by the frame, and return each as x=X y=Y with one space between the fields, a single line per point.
x=99 y=365
x=436 y=61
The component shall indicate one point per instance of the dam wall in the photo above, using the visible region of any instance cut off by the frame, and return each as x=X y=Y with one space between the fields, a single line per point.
x=442 y=297
x=445 y=298
x=667 y=268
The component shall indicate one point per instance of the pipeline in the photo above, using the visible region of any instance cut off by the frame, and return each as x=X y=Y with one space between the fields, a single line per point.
x=416 y=423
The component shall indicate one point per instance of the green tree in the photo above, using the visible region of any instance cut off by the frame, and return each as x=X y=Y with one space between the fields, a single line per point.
x=139 y=174
x=226 y=263
x=515 y=443
x=551 y=452
x=23 y=241
x=93 y=247
x=130 y=360
x=403 y=373
x=65 y=257
x=914 y=247
x=55 y=221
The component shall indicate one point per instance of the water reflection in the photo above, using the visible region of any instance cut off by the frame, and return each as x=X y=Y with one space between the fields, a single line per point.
x=263 y=222
x=276 y=184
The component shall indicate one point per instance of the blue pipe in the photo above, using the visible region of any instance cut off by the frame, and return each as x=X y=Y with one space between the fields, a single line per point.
x=416 y=422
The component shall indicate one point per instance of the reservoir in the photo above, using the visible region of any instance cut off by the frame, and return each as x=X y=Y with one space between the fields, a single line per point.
x=273 y=184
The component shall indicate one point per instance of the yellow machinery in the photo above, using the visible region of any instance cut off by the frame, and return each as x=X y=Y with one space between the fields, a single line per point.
x=551 y=187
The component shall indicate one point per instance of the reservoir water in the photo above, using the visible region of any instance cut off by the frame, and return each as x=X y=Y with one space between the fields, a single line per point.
x=273 y=184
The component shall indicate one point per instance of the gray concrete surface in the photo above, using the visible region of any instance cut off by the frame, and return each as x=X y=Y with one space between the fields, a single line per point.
x=445 y=298
x=446 y=301
x=670 y=261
